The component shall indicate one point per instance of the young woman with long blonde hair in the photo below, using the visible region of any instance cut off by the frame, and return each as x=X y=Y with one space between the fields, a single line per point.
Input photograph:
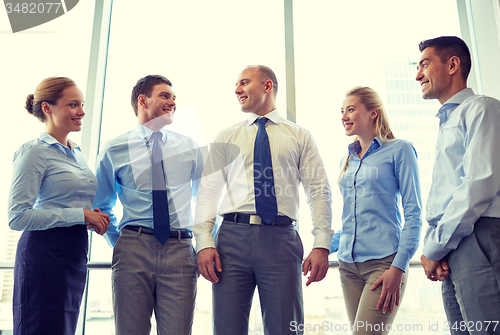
x=378 y=174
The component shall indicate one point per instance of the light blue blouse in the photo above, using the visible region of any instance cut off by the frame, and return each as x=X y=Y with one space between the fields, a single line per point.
x=51 y=186
x=373 y=189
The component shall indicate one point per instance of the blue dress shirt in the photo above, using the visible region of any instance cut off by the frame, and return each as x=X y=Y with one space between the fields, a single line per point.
x=124 y=171
x=373 y=188
x=466 y=176
x=51 y=185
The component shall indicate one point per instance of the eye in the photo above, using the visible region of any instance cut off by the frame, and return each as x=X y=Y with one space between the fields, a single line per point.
x=350 y=110
x=73 y=105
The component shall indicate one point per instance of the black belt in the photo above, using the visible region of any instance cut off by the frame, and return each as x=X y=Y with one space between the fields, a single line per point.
x=255 y=219
x=173 y=233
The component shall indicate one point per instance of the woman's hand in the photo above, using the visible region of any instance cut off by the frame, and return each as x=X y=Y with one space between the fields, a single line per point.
x=391 y=288
x=96 y=220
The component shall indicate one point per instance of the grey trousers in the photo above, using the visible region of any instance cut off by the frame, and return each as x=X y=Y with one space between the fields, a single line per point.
x=471 y=293
x=148 y=276
x=268 y=257
x=361 y=301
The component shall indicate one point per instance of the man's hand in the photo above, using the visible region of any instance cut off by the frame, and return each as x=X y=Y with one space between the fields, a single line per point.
x=317 y=262
x=435 y=270
x=206 y=259
x=442 y=270
x=391 y=288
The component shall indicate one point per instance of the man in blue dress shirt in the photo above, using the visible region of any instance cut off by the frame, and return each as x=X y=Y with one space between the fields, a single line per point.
x=154 y=264
x=462 y=242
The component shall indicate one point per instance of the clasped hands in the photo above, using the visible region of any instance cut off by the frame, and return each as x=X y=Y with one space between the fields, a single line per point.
x=435 y=270
x=96 y=220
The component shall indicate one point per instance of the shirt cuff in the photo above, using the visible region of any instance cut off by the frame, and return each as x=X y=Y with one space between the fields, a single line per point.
x=204 y=241
x=74 y=216
x=323 y=238
x=401 y=261
x=433 y=252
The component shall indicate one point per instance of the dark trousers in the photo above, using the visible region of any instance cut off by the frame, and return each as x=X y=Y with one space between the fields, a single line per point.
x=268 y=257
x=471 y=293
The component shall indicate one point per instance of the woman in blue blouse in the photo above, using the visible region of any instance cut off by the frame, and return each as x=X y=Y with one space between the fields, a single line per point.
x=51 y=200
x=379 y=173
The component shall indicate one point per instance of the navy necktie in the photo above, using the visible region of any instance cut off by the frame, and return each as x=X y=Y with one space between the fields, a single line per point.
x=161 y=218
x=263 y=176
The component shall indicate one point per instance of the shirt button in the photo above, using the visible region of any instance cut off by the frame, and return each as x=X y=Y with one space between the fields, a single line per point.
x=352 y=236
x=352 y=219
x=353 y=203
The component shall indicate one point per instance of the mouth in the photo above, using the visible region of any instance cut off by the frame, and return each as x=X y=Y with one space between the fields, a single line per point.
x=348 y=125
x=424 y=83
x=242 y=99
x=79 y=121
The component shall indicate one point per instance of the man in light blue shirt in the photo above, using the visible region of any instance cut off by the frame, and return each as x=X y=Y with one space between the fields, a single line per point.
x=463 y=209
x=154 y=264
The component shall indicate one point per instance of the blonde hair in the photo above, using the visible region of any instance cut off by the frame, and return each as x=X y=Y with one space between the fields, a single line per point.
x=369 y=98
x=50 y=91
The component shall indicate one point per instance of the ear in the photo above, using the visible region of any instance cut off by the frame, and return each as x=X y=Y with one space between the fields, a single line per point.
x=141 y=100
x=46 y=108
x=454 y=65
x=374 y=114
x=268 y=86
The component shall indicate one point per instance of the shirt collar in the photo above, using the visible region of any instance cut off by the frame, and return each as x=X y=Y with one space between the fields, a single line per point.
x=355 y=147
x=145 y=133
x=273 y=116
x=50 y=140
x=452 y=103
x=460 y=96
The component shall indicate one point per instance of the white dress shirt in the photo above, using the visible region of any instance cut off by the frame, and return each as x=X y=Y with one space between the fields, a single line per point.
x=295 y=159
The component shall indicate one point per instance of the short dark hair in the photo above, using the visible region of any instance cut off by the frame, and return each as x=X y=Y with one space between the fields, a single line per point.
x=446 y=47
x=145 y=86
x=267 y=74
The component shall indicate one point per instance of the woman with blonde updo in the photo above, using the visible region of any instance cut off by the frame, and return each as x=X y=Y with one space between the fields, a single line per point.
x=51 y=200
x=378 y=174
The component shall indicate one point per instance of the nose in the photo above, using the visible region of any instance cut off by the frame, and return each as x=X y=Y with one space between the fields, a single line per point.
x=343 y=117
x=81 y=112
x=172 y=103
x=238 y=90
x=419 y=75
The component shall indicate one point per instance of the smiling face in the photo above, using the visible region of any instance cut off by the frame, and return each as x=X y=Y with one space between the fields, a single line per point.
x=252 y=93
x=159 y=109
x=67 y=114
x=433 y=76
x=356 y=119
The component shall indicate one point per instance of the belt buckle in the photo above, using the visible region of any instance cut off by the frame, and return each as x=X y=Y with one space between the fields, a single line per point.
x=254 y=219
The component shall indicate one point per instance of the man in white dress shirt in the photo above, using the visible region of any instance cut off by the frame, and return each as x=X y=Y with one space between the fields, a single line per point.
x=257 y=243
